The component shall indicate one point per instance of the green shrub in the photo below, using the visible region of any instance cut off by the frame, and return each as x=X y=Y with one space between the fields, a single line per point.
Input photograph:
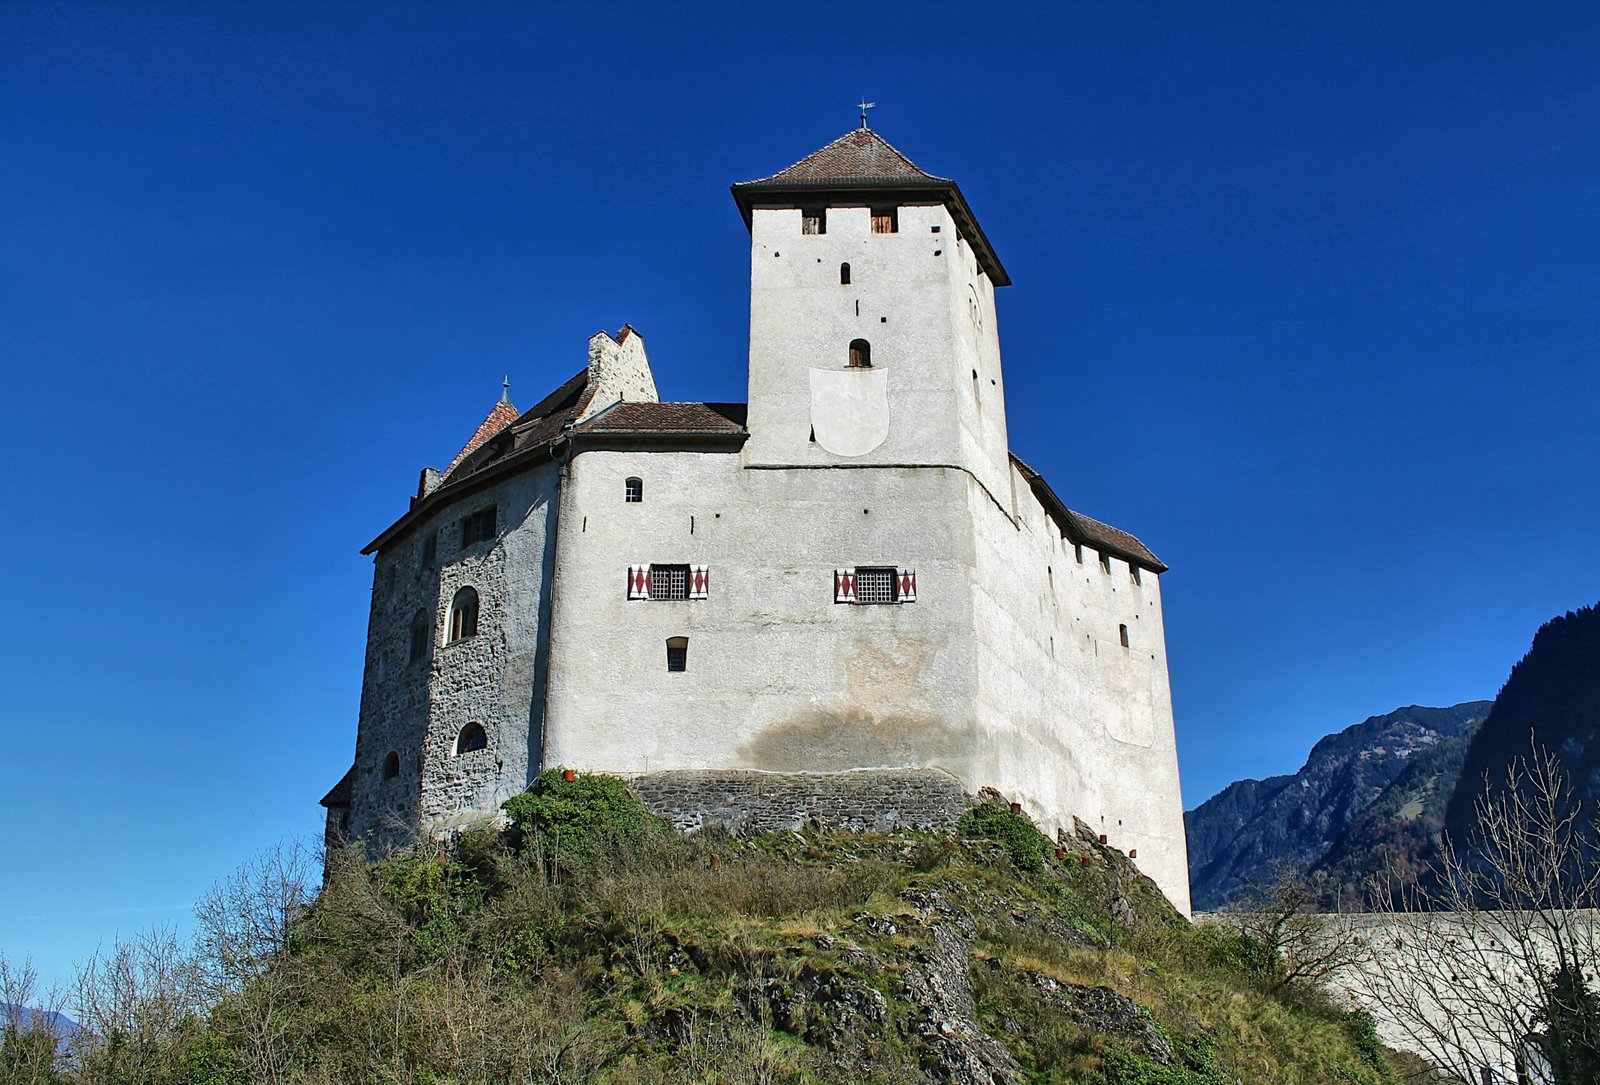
x=1023 y=841
x=574 y=817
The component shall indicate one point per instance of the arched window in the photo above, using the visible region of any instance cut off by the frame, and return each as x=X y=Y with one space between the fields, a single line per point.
x=633 y=490
x=464 y=615
x=677 y=653
x=419 y=637
x=844 y=274
x=472 y=737
x=391 y=766
x=860 y=354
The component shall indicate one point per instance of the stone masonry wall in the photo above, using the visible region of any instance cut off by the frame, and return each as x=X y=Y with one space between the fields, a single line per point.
x=757 y=802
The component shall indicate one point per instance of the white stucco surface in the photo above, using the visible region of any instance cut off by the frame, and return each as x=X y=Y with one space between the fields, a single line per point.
x=1007 y=671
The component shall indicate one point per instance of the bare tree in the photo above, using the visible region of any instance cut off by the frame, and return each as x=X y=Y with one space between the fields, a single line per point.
x=1306 y=948
x=134 y=1003
x=246 y=919
x=30 y=1026
x=1461 y=970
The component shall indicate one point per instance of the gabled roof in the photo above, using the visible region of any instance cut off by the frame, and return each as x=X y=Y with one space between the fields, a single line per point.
x=1079 y=528
x=863 y=162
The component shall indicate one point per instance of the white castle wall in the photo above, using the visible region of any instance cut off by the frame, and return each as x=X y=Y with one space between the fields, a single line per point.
x=780 y=677
x=912 y=294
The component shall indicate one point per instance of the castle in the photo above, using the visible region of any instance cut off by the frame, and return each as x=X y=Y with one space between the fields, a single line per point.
x=847 y=587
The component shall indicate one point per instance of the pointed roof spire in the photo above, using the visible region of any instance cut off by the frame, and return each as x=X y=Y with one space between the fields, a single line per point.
x=505 y=389
x=499 y=417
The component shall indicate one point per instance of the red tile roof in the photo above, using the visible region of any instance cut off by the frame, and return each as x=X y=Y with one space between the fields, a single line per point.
x=860 y=156
x=668 y=418
x=498 y=419
x=1086 y=529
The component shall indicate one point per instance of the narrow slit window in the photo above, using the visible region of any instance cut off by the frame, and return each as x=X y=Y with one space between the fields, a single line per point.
x=1077 y=552
x=885 y=220
x=844 y=277
x=419 y=637
x=430 y=549
x=1133 y=573
x=633 y=491
x=677 y=654
x=1122 y=631
x=391 y=766
x=1105 y=563
x=464 y=615
x=860 y=354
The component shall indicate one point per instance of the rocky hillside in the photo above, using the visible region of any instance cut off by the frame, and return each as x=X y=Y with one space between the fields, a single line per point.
x=1353 y=792
x=589 y=943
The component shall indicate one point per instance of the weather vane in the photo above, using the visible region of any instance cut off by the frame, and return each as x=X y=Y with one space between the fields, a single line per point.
x=865 y=105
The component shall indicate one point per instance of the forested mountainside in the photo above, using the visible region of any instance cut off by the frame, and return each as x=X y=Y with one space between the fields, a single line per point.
x=1377 y=796
x=1304 y=820
x=1553 y=698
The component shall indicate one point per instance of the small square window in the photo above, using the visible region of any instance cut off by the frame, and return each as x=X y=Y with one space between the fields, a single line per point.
x=814 y=220
x=669 y=582
x=875 y=585
x=885 y=220
x=478 y=527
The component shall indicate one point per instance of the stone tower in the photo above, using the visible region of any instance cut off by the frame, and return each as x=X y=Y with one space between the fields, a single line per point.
x=872 y=317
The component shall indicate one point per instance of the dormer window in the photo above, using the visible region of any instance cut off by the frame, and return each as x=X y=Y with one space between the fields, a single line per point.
x=860 y=354
x=885 y=220
x=814 y=220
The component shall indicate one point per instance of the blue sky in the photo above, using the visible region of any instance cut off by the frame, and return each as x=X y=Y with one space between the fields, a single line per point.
x=1305 y=298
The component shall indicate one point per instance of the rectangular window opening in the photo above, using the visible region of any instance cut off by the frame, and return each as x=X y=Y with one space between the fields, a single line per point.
x=1105 y=563
x=677 y=654
x=669 y=582
x=814 y=220
x=885 y=220
x=478 y=527
x=1133 y=573
x=875 y=585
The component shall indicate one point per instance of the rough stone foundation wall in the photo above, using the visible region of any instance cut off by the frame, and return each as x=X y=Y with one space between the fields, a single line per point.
x=745 y=803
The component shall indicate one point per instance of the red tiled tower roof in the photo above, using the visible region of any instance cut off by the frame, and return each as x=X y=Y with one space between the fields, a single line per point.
x=860 y=156
x=499 y=418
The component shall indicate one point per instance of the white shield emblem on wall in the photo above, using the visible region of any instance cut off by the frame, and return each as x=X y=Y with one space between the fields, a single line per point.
x=850 y=409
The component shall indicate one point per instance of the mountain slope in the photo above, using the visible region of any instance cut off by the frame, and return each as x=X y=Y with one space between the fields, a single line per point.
x=1237 y=836
x=1552 y=695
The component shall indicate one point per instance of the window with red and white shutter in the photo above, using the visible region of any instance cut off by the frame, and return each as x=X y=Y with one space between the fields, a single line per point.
x=669 y=582
x=875 y=585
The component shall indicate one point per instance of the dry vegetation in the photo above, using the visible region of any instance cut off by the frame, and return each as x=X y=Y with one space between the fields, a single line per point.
x=633 y=955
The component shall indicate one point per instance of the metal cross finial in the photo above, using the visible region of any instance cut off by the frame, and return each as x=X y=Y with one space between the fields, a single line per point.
x=505 y=389
x=865 y=105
